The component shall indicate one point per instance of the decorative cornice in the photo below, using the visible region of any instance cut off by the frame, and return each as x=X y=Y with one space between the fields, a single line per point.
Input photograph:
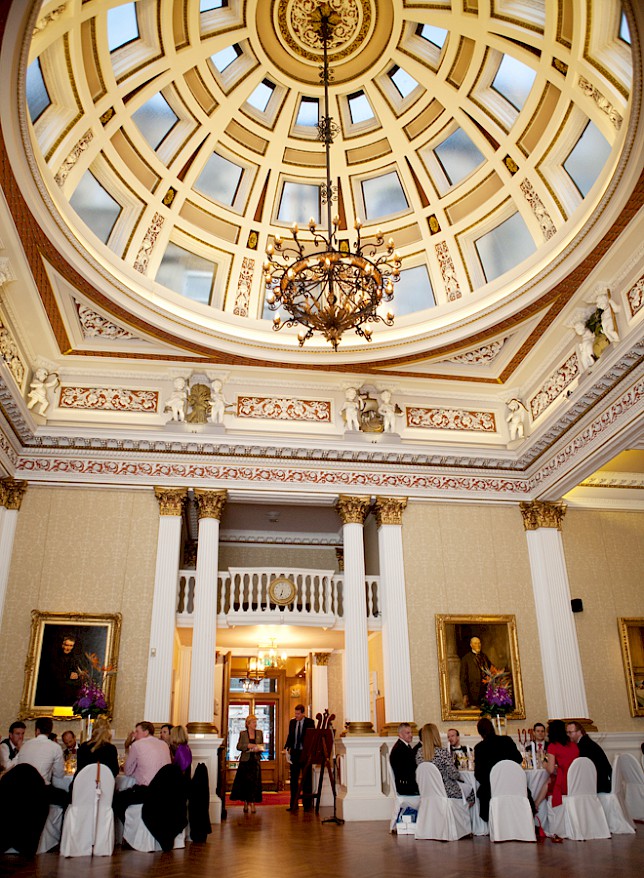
x=450 y=419
x=283 y=409
x=109 y=399
x=11 y=493
x=210 y=504
x=352 y=510
x=538 y=514
x=389 y=510
x=171 y=500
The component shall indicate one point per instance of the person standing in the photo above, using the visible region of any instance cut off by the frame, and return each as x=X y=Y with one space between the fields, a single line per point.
x=293 y=747
x=560 y=755
x=247 y=786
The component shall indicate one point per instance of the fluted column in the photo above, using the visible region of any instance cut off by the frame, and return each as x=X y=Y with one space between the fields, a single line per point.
x=562 y=672
x=158 y=691
x=320 y=682
x=353 y=512
x=204 y=633
x=11 y=494
x=399 y=703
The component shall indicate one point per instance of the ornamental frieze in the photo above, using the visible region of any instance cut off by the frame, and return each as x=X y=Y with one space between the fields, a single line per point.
x=280 y=409
x=451 y=419
x=555 y=384
x=94 y=325
x=109 y=399
x=485 y=354
x=635 y=296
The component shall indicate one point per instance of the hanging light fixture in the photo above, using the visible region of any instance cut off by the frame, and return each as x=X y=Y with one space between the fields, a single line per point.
x=270 y=658
x=254 y=674
x=323 y=284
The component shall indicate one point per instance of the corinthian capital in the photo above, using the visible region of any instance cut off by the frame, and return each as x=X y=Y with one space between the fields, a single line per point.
x=171 y=500
x=352 y=510
x=210 y=503
x=539 y=513
x=389 y=510
x=11 y=493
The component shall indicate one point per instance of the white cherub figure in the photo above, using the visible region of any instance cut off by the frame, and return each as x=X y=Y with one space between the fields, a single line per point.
x=38 y=390
x=177 y=401
x=351 y=409
x=516 y=419
x=217 y=402
x=608 y=309
x=586 y=344
x=388 y=411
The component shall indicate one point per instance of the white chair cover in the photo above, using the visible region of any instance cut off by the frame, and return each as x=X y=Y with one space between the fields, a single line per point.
x=139 y=837
x=614 y=804
x=439 y=818
x=633 y=776
x=399 y=801
x=50 y=836
x=584 y=816
x=510 y=813
x=89 y=820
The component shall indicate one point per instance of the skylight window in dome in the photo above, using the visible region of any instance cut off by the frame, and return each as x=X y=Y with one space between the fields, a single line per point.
x=514 y=81
x=187 y=273
x=505 y=246
x=624 y=30
x=308 y=113
x=402 y=80
x=413 y=292
x=383 y=196
x=458 y=156
x=225 y=57
x=435 y=35
x=359 y=107
x=37 y=95
x=209 y=5
x=95 y=206
x=261 y=95
x=122 y=26
x=587 y=158
x=219 y=179
x=155 y=119
x=299 y=203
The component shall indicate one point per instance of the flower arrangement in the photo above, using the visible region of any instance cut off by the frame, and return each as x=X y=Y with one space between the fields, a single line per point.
x=497 y=700
x=90 y=700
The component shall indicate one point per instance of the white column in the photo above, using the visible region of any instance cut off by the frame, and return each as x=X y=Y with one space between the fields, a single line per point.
x=11 y=494
x=158 y=690
x=357 y=709
x=204 y=633
x=562 y=671
x=399 y=703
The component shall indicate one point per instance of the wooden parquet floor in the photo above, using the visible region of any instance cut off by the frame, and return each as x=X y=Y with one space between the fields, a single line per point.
x=273 y=842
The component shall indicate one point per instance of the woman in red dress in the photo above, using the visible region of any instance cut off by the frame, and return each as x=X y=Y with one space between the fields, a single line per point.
x=560 y=754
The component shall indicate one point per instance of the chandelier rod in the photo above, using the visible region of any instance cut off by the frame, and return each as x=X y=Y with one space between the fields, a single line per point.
x=325 y=34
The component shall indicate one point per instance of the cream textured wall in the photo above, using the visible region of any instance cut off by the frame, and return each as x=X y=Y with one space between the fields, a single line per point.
x=605 y=561
x=473 y=560
x=335 y=674
x=314 y=558
x=82 y=550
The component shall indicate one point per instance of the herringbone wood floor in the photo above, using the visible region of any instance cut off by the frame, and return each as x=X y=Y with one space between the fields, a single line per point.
x=276 y=843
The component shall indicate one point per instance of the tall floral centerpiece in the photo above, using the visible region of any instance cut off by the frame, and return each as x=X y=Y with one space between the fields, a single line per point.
x=90 y=698
x=497 y=700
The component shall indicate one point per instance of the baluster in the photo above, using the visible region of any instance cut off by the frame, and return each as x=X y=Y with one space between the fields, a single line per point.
x=181 y=597
x=191 y=594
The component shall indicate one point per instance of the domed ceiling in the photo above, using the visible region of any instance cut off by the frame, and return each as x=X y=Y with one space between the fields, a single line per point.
x=169 y=141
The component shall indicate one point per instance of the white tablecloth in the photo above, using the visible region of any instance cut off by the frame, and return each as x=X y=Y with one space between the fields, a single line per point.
x=123 y=782
x=536 y=777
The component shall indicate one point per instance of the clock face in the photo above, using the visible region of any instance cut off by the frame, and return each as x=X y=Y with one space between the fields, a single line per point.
x=281 y=591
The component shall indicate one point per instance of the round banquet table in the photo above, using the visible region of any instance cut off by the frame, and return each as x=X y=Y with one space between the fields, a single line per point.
x=536 y=777
x=122 y=782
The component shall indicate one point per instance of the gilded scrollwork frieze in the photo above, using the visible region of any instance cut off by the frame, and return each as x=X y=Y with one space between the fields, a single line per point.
x=389 y=510
x=539 y=513
x=210 y=504
x=171 y=500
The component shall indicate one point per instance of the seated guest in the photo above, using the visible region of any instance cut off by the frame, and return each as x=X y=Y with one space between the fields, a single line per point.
x=11 y=745
x=455 y=746
x=46 y=757
x=99 y=748
x=146 y=756
x=179 y=749
x=164 y=732
x=432 y=750
x=591 y=749
x=560 y=754
x=70 y=747
x=492 y=749
x=403 y=762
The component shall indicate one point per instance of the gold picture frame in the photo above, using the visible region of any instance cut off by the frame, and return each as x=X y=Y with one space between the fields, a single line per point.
x=50 y=687
x=499 y=645
x=631 y=636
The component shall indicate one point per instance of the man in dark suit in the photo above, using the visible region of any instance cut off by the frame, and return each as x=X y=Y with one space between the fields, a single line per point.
x=592 y=750
x=473 y=667
x=403 y=762
x=492 y=749
x=294 y=744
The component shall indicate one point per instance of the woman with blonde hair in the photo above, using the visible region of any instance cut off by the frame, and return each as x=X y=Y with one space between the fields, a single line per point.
x=432 y=750
x=99 y=748
x=181 y=752
x=247 y=786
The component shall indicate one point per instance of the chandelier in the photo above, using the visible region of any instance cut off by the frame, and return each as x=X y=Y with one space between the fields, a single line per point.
x=268 y=658
x=323 y=284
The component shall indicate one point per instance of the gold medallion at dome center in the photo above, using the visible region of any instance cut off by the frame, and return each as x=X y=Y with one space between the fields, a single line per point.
x=298 y=28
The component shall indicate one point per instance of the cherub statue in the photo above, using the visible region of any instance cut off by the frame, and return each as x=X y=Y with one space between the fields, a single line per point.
x=176 y=402
x=516 y=419
x=608 y=309
x=43 y=380
x=351 y=409
x=217 y=402
x=387 y=410
x=586 y=344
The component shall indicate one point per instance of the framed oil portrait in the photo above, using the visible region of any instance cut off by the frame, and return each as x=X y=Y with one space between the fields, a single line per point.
x=470 y=648
x=58 y=649
x=631 y=635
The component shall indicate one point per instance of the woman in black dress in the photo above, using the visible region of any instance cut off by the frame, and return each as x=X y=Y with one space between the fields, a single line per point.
x=247 y=786
x=99 y=748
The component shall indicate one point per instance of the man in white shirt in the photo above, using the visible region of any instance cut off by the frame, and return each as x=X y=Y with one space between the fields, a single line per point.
x=11 y=745
x=46 y=757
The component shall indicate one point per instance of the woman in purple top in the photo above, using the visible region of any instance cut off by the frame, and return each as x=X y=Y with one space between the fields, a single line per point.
x=181 y=752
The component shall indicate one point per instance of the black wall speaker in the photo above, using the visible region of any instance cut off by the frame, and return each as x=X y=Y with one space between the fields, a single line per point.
x=577 y=605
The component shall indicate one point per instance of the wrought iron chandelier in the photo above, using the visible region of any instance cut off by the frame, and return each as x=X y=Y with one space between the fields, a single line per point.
x=323 y=284
x=268 y=659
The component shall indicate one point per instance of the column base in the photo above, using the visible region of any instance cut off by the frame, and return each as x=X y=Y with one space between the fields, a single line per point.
x=391 y=729
x=359 y=728
x=202 y=729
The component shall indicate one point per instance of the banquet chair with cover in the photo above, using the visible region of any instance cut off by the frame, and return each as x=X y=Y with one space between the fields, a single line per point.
x=199 y=804
x=88 y=828
x=24 y=806
x=584 y=816
x=633 y=776
x=614 y=804
x=50 y=836
x=511 y=816
x=401 y=802
x=439 y=818
x=159 y=824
